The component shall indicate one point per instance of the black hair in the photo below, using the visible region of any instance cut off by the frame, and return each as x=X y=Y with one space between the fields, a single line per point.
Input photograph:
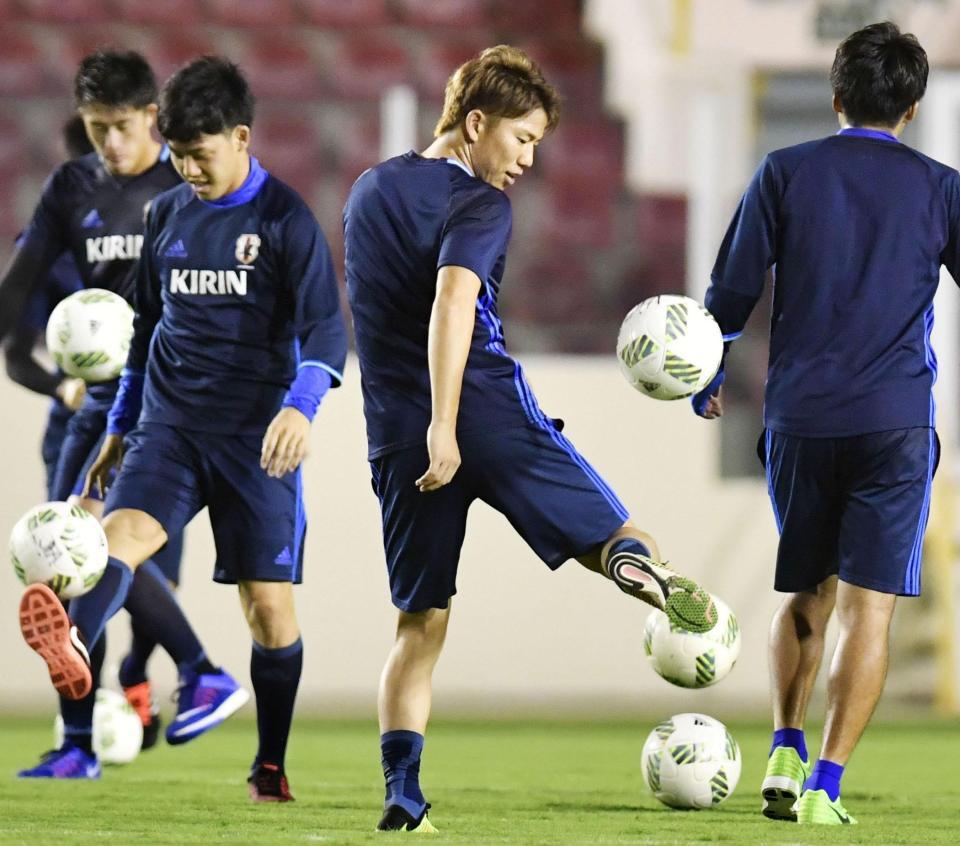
x=878 y=73
x=75 y=138
x=116 y=79
x=206 y=97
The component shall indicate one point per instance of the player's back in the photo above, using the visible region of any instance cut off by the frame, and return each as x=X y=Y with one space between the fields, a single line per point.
x=858 y=225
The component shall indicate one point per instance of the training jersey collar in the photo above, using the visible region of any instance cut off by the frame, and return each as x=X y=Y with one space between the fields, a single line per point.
x=246 y=192
x=876 y=134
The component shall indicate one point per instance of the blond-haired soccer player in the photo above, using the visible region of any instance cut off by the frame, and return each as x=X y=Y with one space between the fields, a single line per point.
x=450 y=416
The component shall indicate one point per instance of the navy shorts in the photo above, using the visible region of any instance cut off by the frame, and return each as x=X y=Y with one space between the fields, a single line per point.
x=258 y=522
x=554 y=499
x=854 y=507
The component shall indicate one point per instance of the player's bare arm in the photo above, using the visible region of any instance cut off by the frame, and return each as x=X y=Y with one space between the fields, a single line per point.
x=451 y=328
x=111 y=455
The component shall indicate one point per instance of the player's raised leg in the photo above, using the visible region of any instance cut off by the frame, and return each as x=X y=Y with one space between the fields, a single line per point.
x=796 y=651
x=276 y=661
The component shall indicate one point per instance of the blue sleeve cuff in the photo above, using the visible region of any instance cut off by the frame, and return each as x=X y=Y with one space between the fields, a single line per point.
x=313 y=380
x=125 y=413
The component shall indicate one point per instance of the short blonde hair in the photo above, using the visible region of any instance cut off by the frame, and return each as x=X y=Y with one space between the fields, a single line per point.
x=502 y=81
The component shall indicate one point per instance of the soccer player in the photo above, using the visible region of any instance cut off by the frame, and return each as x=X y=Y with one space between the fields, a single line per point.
x=450 y=416
x=92 y=208
x=237 y=337
x=857 y=226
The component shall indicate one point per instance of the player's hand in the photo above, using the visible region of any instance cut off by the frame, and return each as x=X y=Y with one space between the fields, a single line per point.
x=285 y=443
x=444 y=457
x=111 y=454
x=71 y=392
x=709 y=402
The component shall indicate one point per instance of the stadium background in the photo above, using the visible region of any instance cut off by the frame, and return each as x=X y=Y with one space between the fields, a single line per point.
x=669 y=105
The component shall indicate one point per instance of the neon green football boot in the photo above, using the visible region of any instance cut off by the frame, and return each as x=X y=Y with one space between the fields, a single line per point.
x=816 y=808
x=783 y=783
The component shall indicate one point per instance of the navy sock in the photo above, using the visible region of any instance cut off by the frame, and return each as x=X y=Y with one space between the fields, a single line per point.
x=158 y=616
x=275 y=674
x=826 y=776
x=133 y=667
x=793 y=738
x=91 y=611
x=400 y=755
x=78 y=713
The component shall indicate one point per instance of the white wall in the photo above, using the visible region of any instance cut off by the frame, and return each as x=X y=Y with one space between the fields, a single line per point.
x=520 y=637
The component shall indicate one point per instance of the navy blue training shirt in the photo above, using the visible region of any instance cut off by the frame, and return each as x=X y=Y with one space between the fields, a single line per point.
x=856 y=227
x=404 y=220
x=235 y=296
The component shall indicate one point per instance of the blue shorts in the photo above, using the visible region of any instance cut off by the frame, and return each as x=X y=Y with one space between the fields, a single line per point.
x=853 y=507
x=534 y=477
x=258 y=522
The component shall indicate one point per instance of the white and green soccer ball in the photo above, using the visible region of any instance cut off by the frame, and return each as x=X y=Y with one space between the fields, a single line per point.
x=692 y=659
x=691 y=762
x=88 y=334
x=117 y=730
x=60 y=545
x=669 y=347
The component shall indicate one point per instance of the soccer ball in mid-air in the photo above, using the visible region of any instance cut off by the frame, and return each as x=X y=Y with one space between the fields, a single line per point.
x=63 y=546
x=669 y=347
x=88 y=334
x=691 y=659
x=117 y=730
x=691 y=762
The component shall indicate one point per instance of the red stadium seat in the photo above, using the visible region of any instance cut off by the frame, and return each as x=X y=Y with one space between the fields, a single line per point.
x=178 y=13
x=288 y=146
x=79 y=41
x=22 y=65
x=525 y=16
x=250 y=12
x=337 y=13
x=444 y=13
x=65 y=11
x=170 y=50
x=573 y=65
x=440 y=58
x=594 y=149
x=282 y=66
x=661 y=221
x=580 y=211
x=550 y=289
x=366 y=65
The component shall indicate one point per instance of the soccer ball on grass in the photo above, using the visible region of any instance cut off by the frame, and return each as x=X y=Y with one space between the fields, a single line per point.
x=691 y=762
x=117 y=730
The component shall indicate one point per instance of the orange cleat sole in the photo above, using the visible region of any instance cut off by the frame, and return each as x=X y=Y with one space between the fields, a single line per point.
x=46 y=628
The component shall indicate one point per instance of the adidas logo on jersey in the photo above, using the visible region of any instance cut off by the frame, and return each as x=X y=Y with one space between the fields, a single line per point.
x=92 y=220
x=176 y=250
x=184 y=281
x=110 y=247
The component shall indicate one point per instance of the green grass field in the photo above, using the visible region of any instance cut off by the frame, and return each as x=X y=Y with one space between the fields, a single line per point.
x=490 y=783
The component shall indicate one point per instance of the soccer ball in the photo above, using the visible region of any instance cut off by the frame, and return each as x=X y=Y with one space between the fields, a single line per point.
x=691 y=659
x=63 y=546
x=117 y=730
x=669 y=347
x=691 y=762
x=88 y=334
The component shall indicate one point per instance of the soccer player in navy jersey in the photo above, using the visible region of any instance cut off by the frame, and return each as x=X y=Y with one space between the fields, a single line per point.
x=450 y=415
x=238 y=335
x=857 y=226
x=92 y=208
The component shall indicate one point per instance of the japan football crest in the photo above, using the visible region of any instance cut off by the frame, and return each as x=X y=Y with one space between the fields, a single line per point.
x=248 y=248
